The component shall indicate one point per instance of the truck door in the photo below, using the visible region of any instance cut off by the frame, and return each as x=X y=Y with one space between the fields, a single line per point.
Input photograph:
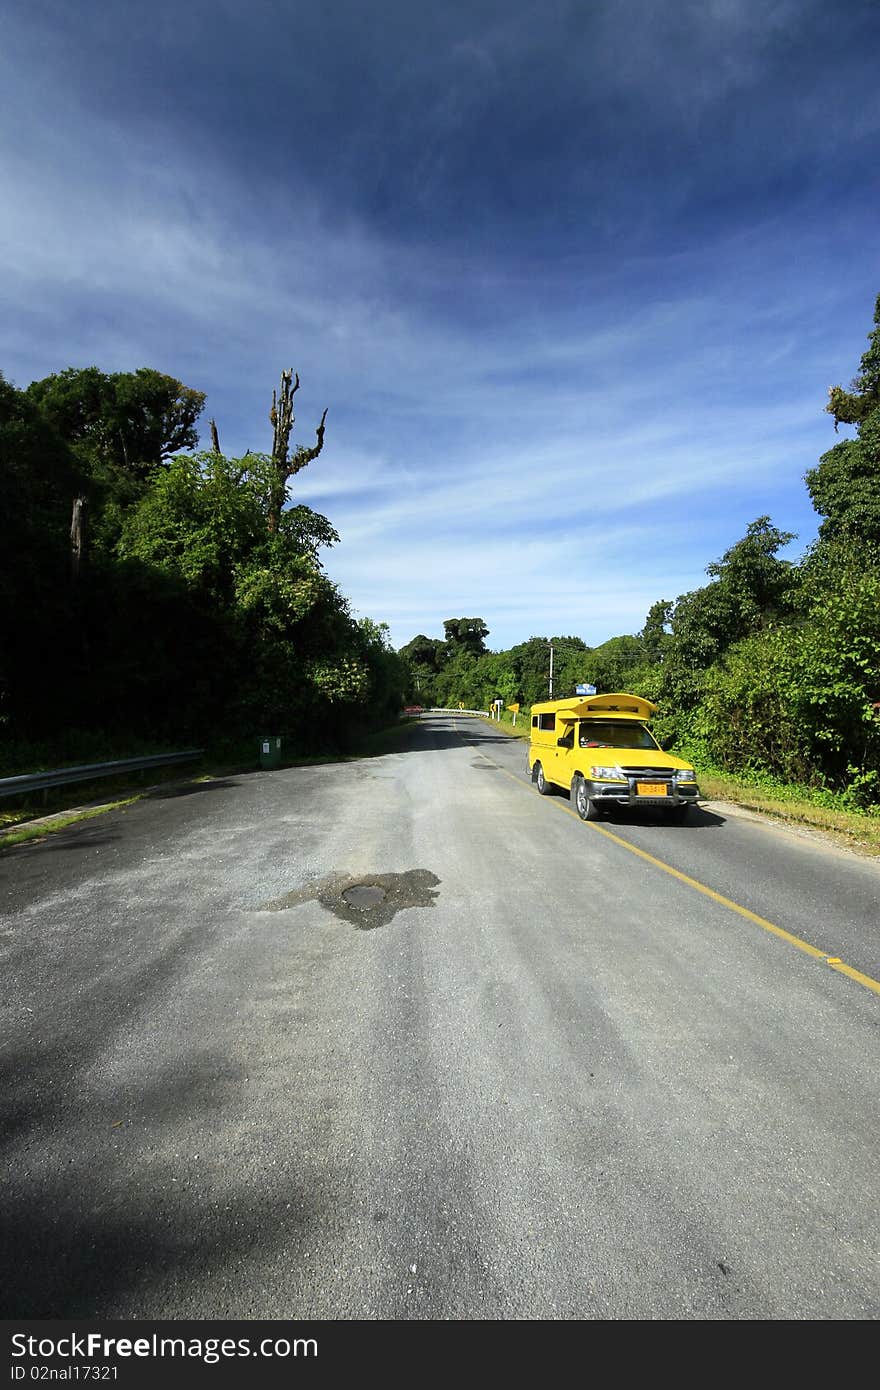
x=562 y=763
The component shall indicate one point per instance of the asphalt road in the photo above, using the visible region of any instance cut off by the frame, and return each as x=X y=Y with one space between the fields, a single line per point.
x=520 y=1071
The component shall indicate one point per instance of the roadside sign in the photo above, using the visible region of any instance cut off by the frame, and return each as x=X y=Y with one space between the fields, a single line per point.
x=585 y=690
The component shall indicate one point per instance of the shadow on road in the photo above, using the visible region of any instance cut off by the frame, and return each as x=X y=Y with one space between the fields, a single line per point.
x=697 y=818
x=128 y=1214
x=428 y=736
x=216 y=784
x=79 y=836
x=112 y=1199
x=70 y=839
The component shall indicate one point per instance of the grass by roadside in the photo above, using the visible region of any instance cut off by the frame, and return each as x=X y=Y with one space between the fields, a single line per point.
x=40 y=829
x=854 y=830
x=519 y=730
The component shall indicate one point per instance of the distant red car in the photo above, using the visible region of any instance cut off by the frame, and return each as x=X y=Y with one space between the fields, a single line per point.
x=412 y=709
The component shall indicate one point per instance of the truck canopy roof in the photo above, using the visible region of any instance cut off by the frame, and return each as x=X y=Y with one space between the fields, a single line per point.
x=618 y=706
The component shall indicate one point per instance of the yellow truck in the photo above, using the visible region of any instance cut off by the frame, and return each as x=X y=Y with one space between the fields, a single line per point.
x=600 y=748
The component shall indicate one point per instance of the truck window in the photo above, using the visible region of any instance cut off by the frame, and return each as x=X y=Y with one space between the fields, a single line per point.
x=608 y=733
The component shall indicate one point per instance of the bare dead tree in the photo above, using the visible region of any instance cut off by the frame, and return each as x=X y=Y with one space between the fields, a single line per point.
x=79 y=556
x=281 y=418
x=78 y=538
x=215 y=438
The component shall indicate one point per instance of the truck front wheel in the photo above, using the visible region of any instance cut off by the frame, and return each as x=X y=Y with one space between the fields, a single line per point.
x=585 y=807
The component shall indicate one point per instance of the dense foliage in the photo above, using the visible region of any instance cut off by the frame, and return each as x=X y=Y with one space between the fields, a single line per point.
x=771 y=668
x=170 y=610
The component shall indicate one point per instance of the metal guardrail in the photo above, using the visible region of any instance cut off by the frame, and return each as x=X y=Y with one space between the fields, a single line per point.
x=425 y=710
x=88 y=772
x=479 y=713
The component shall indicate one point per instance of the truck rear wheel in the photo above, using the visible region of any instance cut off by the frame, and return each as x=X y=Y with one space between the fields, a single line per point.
x=540 y=780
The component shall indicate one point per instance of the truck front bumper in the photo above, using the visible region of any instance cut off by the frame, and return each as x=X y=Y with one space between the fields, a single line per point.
x=628 y=794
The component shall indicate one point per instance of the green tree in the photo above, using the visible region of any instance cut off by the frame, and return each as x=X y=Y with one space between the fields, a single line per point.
x=493 y=677
x=531 y=662
x=423 y=658
x=845 y=485
x=459 y=679
x=751 y=589
x=203 y=521
x=615 y=664
x=801 y=700
x=466 y=633
x=863 y=397
x=748 y=718
x=388 y=672
x=571 y=658
x=204 y=516
x=129 y=420
x=426 y=652
x=121 y=428
x=755 y=582
x=39 y=477
x=656 y=636
x=837 y=661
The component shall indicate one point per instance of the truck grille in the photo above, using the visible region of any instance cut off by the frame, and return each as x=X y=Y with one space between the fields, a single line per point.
x=648 y=774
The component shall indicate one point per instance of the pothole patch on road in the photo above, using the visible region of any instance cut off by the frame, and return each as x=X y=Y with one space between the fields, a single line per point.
x=364 y=895
x=365 y=901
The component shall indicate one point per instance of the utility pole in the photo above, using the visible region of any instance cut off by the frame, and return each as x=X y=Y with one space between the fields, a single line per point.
x=565 y=647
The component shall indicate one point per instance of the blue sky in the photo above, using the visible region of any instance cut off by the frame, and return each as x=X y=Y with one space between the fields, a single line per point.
x=573 y=278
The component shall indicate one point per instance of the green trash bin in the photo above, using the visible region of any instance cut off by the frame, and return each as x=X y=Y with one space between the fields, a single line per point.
x=270 y=750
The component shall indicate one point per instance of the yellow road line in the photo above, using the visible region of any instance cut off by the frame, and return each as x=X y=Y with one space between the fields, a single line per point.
x=834 y=962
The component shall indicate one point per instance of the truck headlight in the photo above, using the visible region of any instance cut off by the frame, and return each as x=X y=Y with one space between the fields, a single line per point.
x=686 y=774
x=607 y=774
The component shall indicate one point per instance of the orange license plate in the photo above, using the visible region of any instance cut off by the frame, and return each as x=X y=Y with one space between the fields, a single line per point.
x=651 y=788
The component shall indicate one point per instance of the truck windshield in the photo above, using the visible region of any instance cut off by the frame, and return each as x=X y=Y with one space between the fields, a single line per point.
x=600 y=733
